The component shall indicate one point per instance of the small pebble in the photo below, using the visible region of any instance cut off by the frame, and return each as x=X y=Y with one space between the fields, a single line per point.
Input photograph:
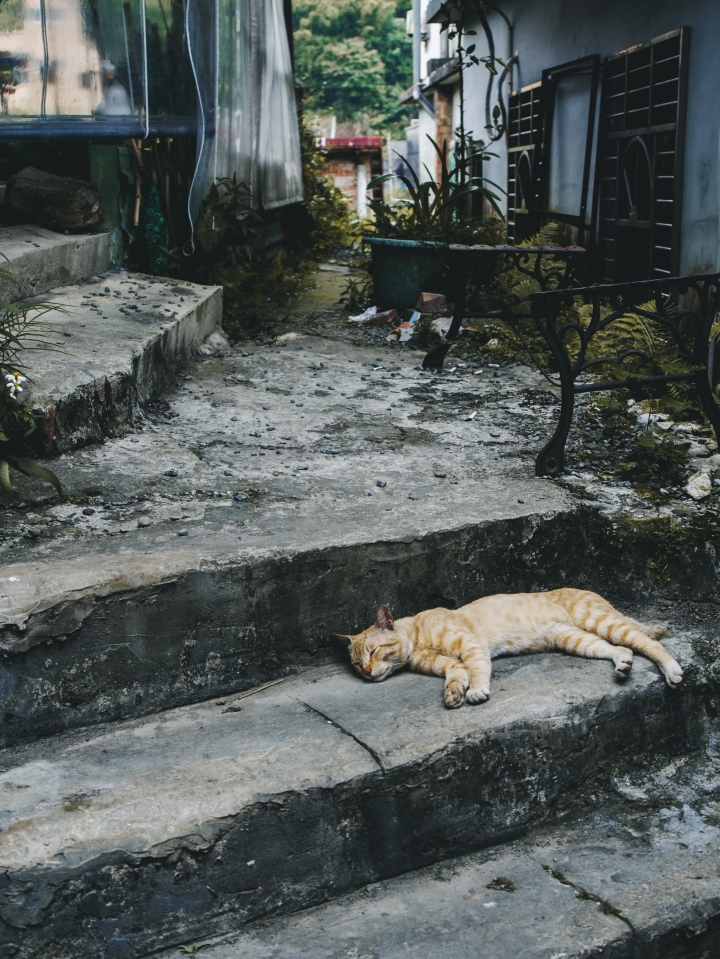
x=521 y=501
x=182 y=532
x=134 y=439
x=413 y=496
x=305 y=467
x=441 y=475
x=233 y=419
x=171 y=472
x=240 y=497
x=88 y=511
x=144 y=521
x=381 y=483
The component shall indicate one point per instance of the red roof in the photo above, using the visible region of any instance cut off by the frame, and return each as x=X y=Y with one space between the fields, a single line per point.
x=350 y=143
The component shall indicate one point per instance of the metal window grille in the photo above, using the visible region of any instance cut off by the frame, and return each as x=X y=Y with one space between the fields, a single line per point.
x=523 y=127
x=640 y=160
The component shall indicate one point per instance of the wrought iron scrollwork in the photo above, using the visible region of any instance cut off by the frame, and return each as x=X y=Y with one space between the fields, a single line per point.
x=661 y=302
x=547 y=267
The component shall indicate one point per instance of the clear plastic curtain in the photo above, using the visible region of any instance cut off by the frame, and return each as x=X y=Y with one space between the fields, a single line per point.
x=255 y=133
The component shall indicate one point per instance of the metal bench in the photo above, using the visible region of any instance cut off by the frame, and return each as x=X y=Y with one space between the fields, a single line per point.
x=547 y=267
x=686 y=307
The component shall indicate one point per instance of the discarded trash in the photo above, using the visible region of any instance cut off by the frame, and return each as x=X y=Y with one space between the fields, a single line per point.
x=442 y=325
x=405 y=331
x=380 y=319
x=414 y=318
x=471 y=417
x=700 y=485
x=365 y=317
x=432 y=302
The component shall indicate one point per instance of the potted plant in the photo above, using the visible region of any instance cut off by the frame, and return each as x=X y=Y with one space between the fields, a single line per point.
x=410 y=235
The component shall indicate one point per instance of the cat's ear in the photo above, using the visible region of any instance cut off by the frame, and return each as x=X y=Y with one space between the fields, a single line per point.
x=384 y=618
x=345 y=640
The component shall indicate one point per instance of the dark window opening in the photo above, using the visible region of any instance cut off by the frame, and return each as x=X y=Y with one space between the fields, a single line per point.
x=639 y=166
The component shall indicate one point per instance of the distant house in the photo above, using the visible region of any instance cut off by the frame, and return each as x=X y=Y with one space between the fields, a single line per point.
x=611 y=125
x=352 y=162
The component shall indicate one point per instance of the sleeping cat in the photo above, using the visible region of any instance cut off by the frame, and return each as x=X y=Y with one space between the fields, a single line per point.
x=459 y=644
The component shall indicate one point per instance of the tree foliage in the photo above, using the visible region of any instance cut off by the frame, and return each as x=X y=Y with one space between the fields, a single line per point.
x=353 y=57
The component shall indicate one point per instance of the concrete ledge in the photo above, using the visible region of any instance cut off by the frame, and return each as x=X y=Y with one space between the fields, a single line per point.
x=120 y=342
x=41 y=260
x=596 y=888
x=99 y=631
x=166 y=829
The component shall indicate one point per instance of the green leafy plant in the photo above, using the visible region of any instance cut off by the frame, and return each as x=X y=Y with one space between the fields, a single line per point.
x=229 y=239
x=435 y=211
x=20 y=331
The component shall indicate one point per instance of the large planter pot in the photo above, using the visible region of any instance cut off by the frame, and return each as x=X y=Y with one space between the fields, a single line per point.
x=403 y=269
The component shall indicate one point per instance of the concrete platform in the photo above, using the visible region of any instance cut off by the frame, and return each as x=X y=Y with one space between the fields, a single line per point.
x=41 y=260
x=635 y=879
x=119 y=340
x=288 y=537
x=165 y=829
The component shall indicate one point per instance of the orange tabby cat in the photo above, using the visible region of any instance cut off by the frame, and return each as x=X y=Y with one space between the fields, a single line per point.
x=459 y=644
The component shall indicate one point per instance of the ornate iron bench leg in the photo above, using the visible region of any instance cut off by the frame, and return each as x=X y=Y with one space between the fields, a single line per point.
x=435 y=357
x=708 y=403
x=551 y=458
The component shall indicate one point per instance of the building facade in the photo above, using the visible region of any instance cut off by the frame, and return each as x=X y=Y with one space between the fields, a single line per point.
x=606 y=122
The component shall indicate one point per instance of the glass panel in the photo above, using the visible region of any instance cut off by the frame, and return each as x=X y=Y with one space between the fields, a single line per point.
x=88 y=61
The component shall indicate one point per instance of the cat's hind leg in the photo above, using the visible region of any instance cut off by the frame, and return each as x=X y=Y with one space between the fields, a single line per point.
x=622 y=631
x=455 y=673
x=577 y=642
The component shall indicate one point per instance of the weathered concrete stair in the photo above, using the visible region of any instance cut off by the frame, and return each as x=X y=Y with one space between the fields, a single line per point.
x=116 y=340
x=102 y=619
x=162 y=830
x=638 y=881
x=41 y=260
x=122 y=339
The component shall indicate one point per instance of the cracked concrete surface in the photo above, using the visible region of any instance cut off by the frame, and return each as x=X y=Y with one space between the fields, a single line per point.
x=313 y=787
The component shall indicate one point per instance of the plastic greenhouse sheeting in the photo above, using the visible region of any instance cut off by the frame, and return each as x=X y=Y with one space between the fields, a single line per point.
x=122 y=68
x=256 y=127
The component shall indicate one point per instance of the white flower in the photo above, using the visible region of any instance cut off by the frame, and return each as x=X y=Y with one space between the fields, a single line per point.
x=13 y=381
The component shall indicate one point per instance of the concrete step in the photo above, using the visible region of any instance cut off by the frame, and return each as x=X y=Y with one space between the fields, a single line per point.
x=41 y=260
x=119 y=840
x=636 y=878
x=102 y=619
x=121 y=339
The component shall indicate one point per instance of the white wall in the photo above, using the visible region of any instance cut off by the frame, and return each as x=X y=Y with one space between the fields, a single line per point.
x=556 y=31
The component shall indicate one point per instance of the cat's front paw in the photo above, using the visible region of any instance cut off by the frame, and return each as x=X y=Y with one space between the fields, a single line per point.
x=623 y=664
x=478 y=695
x=673 y=674
x=455 y=693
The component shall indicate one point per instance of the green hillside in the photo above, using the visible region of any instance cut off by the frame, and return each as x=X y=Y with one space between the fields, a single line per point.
x=354 y=58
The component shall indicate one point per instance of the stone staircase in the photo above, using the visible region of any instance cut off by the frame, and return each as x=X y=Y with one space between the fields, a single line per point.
x=214 y=534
